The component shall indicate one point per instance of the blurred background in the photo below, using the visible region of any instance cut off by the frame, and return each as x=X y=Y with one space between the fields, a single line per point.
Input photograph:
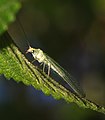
x=73 y=33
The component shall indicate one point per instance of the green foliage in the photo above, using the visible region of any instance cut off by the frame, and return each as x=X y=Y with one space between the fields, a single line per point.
x=8 y=9
x=13 y=64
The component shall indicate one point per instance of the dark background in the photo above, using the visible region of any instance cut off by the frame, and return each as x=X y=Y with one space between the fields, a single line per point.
x=73 y=33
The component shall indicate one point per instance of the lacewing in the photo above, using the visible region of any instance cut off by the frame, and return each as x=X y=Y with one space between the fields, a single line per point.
x=44 y=59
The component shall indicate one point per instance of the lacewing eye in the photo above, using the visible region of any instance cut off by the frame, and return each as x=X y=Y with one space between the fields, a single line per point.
x=33 y=51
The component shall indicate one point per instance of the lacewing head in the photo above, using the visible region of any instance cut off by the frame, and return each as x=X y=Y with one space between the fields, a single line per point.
x=30 y=50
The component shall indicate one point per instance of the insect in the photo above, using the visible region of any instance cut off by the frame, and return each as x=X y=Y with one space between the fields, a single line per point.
x=44 y=59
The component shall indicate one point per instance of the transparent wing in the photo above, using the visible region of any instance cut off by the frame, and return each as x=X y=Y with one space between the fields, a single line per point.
x=66 y=76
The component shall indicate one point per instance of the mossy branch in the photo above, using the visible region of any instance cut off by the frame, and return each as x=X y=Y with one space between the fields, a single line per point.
x=13 y=64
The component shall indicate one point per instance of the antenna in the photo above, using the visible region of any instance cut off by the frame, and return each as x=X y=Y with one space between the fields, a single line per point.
x=23 y=31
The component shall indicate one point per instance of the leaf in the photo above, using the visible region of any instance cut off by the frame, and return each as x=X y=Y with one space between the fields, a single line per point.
x=13 y=64
x=8 y=9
